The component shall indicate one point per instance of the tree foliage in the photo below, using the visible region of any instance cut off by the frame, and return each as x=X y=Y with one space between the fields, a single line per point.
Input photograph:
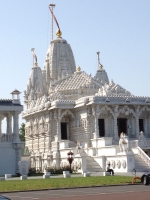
x=22 y=132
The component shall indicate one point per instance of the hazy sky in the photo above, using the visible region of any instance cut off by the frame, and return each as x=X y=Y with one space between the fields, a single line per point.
x=119 y=29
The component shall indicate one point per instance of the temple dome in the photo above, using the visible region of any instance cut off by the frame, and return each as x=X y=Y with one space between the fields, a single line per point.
x=59 y=62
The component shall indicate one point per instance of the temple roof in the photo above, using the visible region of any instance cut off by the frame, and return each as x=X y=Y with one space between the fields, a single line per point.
x=78 y=80
x=113 y=89
x=8 y=102
x=15 y=92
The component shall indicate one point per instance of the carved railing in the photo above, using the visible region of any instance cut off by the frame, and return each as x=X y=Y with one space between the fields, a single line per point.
x=133 y=144
x=144 y=156
x=6 y=138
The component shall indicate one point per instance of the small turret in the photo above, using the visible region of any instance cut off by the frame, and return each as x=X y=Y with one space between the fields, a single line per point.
x=101 y=74
x=36 y=84
x=16 y=96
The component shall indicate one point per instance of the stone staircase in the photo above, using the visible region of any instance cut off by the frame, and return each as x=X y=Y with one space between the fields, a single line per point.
x=140 y=165
x=92 y=165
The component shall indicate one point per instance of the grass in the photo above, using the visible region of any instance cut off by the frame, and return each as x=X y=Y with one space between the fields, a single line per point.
x=53 y=183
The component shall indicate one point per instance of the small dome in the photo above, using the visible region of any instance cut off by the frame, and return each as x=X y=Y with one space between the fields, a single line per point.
x=101 y=76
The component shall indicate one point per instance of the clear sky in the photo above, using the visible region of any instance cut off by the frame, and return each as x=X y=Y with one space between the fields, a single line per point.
x=119 y=29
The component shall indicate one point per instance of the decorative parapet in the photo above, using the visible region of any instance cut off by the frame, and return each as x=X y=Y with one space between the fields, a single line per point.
x=62 y=104
x=119 y=99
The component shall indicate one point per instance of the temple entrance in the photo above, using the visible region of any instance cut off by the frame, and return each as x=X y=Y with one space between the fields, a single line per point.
x=101 y=125
x=122 y=126
x=141 y=125
x=64 y=131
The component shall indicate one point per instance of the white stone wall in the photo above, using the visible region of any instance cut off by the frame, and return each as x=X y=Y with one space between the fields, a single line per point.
x=7 y=159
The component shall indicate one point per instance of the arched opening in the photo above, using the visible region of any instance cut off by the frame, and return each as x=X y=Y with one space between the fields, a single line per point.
x=64 y=124
x=122 y=125
x=64 y=131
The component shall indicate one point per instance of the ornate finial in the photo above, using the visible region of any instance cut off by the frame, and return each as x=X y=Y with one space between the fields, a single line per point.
x=52 y=6
x=34 y=57
x=79 y=69
x=59 y=33
x=99 y=64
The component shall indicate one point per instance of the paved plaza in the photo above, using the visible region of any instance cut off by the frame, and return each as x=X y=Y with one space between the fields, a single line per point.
x=95 y=193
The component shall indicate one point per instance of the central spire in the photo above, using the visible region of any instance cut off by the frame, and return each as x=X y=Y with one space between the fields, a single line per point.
x=58 y=33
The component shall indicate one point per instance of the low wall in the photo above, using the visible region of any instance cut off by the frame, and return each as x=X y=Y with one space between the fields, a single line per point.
x=7 y=159
x=119 y=163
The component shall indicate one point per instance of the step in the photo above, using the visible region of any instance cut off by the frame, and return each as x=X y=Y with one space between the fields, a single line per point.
x=92 y=165
x=140 y=165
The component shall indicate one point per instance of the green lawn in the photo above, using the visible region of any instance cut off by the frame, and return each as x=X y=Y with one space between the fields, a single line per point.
x=38 y=184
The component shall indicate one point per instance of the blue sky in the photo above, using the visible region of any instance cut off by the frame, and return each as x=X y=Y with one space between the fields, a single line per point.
x=119 y=29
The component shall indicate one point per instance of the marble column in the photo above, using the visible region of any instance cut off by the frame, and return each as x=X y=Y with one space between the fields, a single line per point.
x=115 y=116
x=148 y=125
x=1 y=126
x=145 y=127
x=58 y=129
x=106 y=126
x=132 y=127
x=16 y=127
x=96 y=127
x=49 y=135
x=9 y=124
x=115 y=127
x=88 y=131
x=128 y=127
x=137 y=126
x=1 y=119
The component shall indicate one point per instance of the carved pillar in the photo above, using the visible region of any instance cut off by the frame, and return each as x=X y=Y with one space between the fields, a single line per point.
x=9 y=124
x=57 y=117
x=115 y=127
x=96 y=126
x=50 y=131
x=137 y=126
x=106 y=126
x=58 y=129
x=148 y=125
x=128 y=126
x=145 y=127
x=88 y=130
x=115 y=123
x=16 y=127
x=96 y=114
x=1 y=118
x=1 y=126
x=137 y=114
x=132 y=127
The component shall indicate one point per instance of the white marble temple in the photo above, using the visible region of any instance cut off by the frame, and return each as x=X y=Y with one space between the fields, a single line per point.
x=65 y=105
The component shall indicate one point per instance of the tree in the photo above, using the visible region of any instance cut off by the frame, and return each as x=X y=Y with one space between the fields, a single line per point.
x=22 y=132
